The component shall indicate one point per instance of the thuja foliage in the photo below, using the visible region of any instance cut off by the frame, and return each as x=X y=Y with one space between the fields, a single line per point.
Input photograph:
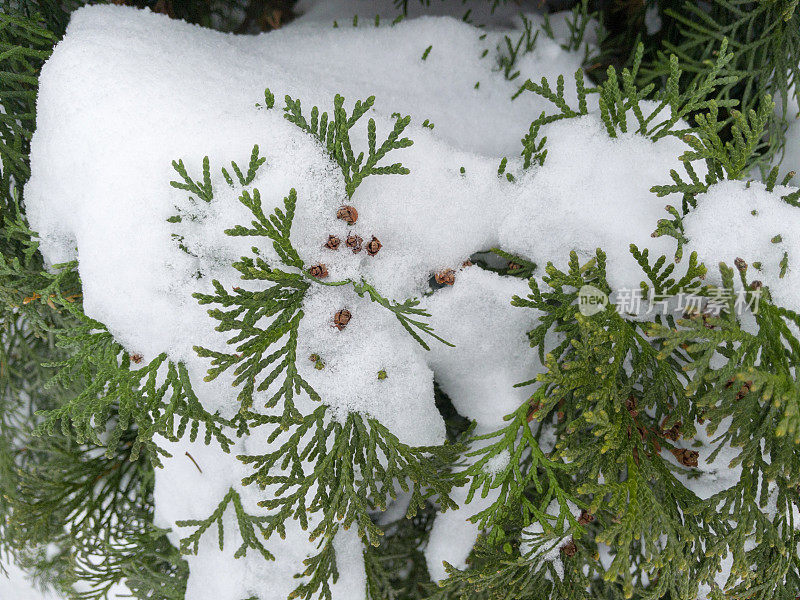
x=63 y=504
x=624 y=395
x=625 y=392
x=763 y=36
x=334 y=134
x=324 y=471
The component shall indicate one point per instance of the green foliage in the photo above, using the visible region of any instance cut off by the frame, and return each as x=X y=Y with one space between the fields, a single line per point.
x=723 y=159
x=720 y=160
x=396 y=569
x=745 y=387
x=499 y=261
x=513 y=50
x=359 y=446
x=249 y=527
x=619 y=98
x=24 y=46
x=334 y=135
x=521 y=476
x=282 y=300
x=764 y=38
x=107 y=501
x=614 y=396
x=344 y=467
x=762 y=35
x=157 y=397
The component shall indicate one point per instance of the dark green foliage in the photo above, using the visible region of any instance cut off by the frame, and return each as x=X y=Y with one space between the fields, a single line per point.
x=618 y=391
x=359 y=445
x=623 y=392
x=763 y=37
x=396 y=569
x=24 y=46
x=511 y=50
x=117 y=394
x=618 y=98
x=107 y=500
x=747 y=375
x=505 y=263
x=525 y=461
x=282 y=300
x=53 y=490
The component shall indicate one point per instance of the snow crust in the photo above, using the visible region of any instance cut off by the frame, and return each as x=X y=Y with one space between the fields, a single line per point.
x=127 y=91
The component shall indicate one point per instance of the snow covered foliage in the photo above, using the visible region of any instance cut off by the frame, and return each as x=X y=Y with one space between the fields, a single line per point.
x=394 y=302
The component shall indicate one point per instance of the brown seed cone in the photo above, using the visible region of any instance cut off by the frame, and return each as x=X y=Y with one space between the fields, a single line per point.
x=688 y=458
x=532 y=411
x=674 y=432
x=756 y=285
x=630 y=404
x=512 y=266
x=467 y=263
x=585 y=518
x=744 y=390
x=373 y=246
x=341 y=319
x=319 y=271
x=446 y=277
x=333 y=242
x=741 y=264
x=137 y=358
x=348 y=214
x=354 y=242
x=570 y=548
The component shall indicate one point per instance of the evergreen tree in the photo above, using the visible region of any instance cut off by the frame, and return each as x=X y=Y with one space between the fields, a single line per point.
x=82 y=419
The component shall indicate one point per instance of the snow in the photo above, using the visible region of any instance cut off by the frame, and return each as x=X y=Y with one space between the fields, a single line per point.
x=16 y=585
x=736 y=219
x=492 y=354
x=128 y=91
x=497 y=464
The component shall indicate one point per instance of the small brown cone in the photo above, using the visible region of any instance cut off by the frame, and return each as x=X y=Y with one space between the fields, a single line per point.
x=354 y=242
x=688 y=458
x=347 y=214
x=446 y=277
x=373 y=246
x=319 y=271
x=570 y=548
x=341 y=319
